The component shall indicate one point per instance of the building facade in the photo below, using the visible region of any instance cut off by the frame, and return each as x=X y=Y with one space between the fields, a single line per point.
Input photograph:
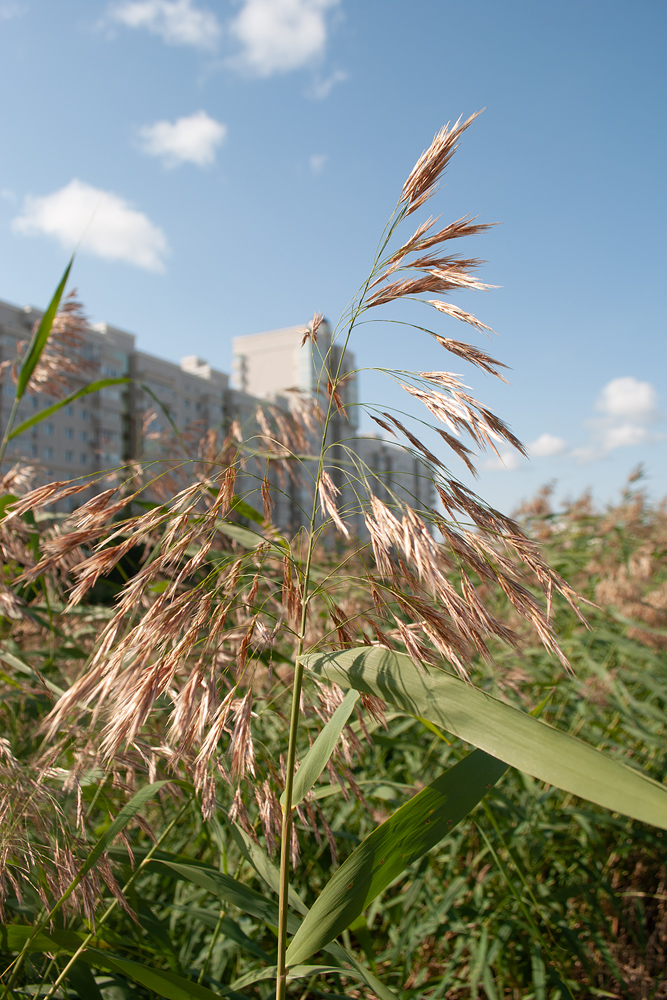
x=102 y=431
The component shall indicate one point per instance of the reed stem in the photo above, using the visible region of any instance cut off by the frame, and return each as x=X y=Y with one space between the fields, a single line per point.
x=8 y=428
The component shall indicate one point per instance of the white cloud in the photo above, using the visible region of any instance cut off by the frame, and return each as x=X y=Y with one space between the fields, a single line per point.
x=187 y=140
x=323 y=87
x=318 y=162
x=630 y=398
x=508 y=461
x=106 y=224
x=176 y=22
x=623 y=436
x=629 y=408
x=547 y=445
x=280 y=35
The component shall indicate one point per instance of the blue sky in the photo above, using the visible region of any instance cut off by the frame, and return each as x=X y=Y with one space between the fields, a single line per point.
x=243 y=156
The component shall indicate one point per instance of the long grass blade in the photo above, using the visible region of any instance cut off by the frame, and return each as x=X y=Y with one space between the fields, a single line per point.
x=229 y=889
x=392 y=847
x=316 y=759
x=165 y=984
x=43 y=414
x=41 y=335
x=505 y=732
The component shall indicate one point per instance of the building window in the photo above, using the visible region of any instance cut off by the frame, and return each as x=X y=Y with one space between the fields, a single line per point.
x=84 y=435
x=49 y=430
x=69 y=410
x=35 y=403
x=69 y=456
x=48 y=453
x=35 y=451
x=69 y=433
x=83 y=458
x=84 y=414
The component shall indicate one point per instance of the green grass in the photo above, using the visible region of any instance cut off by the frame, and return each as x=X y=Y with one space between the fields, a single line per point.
x=537 y=894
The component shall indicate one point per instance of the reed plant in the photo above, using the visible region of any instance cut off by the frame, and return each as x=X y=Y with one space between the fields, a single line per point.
x=238 y=665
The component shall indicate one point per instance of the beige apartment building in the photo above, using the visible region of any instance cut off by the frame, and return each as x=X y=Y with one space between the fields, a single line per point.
x=269 y=365
x=85 y=437
x=104 y=430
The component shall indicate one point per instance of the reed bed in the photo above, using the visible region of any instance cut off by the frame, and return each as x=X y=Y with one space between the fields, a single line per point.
x=384 y=756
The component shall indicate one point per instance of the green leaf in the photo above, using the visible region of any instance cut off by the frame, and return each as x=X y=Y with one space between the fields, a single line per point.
x=165 y=984
x=504 y=732
x=297 y=972
x=228 y=888
x=83 y=982
x=316 y=759
x=85 y=391
x=406 y=836
x=365 y=976
x=5 y=501
x=239 y=506
x=19 y=934
x=229 y=928
x=157 y=929
x=129 y=810
x=25 y=668
x=41 y=335
x=244 y=536
x=264 y=867
x=252 y=902
x=250 y=539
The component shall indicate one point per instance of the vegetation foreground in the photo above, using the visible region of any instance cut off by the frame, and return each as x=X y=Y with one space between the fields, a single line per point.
x=238 y=763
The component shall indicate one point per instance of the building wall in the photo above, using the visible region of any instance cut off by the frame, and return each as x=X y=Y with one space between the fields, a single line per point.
x=106 y=429
x=269 y=364
x=88 y=435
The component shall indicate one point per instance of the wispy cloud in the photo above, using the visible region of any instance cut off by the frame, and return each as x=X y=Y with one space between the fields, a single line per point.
x=629 y=413
x=322 y=87
x=111 y=228
x=507 y=461
x=630 y=409
x=547 y=445
x=176 y=22
x=9 y=9
x=280 y=35
x=193 y=139
x=317 y=162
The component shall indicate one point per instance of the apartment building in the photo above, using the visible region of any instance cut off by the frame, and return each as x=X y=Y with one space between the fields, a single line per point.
x=85 y=437
x=102 y=431
x=269 y=365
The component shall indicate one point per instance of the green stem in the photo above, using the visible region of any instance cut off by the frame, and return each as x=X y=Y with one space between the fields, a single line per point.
x=297 y=685
x=8 y=428
x=281 y=986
